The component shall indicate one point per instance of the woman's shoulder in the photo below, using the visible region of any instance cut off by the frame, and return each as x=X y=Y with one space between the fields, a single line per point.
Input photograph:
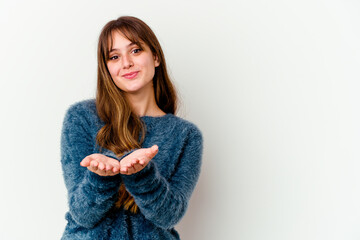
x=183 y=123
x=170 y=123
x=83 y=105
x=190 y=128
x=82 y=109
x=86 y=106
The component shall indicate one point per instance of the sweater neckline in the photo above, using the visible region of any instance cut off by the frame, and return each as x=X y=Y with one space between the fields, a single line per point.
x=146 y=117
x=155 y=119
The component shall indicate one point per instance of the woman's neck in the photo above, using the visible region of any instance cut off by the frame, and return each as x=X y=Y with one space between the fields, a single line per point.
x=144 y=104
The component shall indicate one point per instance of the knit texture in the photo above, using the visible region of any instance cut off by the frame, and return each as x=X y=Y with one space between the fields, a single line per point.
x=161 y=190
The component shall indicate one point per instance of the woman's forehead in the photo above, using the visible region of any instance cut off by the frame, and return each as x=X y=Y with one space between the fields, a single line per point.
x=128 y=36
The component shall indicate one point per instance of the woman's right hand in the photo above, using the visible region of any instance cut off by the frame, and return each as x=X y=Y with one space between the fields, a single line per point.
x=137 y=160
x=101 y=164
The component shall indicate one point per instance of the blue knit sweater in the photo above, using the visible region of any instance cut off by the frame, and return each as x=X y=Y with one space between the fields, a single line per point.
x=161 y=190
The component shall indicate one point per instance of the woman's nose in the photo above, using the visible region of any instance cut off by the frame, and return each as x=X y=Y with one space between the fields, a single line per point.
x=127 y=61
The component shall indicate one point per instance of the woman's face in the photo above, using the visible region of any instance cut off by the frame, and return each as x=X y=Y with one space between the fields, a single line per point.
x=131 y=68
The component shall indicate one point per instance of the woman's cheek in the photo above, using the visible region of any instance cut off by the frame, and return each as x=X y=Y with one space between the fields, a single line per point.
x=113 y=70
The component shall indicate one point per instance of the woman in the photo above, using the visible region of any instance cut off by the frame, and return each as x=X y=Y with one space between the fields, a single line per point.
x=130 y=165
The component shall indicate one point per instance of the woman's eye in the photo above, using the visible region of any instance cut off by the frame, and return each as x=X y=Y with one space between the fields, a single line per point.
x=113 y=57
x=136 y=50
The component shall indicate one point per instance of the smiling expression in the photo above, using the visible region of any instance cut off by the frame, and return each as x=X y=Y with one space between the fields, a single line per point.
x=131 y=67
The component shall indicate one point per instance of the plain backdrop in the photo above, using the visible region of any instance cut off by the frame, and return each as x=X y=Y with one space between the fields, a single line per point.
x=273 y=86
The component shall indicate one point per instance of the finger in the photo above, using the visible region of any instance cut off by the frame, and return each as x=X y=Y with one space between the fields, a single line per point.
x=138 y=167
x=93 y=166
x=135 y=161
x=154 y=148
x=108 y=167
x=94 y=163
x=142 y=161
x=101 y=166
x=123 y=169
x=85 y=162
x=152 y=151
x=116 y=169
x=93 y=169
x=131 y=170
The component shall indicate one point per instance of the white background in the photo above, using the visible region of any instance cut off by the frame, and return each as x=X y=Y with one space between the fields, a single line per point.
x=273 y=85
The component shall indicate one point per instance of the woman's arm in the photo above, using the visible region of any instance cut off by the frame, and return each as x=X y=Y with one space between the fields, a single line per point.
x=162 y=201
x=90 y=196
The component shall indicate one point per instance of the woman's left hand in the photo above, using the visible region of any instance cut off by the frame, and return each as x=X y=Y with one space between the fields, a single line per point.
x=137 y=160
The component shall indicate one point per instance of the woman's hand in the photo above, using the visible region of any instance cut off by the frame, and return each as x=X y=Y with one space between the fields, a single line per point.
x=137 y=160
x=101 y=164
x=133 y=163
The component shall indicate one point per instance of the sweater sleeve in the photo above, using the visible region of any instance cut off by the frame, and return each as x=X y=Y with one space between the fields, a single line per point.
x=164 y=201
x=90 y=196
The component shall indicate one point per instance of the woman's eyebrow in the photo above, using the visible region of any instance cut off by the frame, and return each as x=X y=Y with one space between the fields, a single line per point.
x=129 y=45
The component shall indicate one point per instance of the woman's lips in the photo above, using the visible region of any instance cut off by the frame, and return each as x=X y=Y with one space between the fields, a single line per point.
x=130 y=75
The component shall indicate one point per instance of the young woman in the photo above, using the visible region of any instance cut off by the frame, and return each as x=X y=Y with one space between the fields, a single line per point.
x=130 y=165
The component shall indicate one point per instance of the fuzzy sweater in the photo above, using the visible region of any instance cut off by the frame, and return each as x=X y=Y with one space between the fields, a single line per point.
x=161 y=190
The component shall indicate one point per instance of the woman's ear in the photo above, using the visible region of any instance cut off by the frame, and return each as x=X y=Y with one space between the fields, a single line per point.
x=157 y=62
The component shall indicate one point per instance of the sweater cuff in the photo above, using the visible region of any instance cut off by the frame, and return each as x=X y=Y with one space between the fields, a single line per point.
x=143 y=180
x=103 y=182
x=111 y=154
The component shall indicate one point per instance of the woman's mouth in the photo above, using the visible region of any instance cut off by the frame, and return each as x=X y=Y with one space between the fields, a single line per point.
x=130 y=75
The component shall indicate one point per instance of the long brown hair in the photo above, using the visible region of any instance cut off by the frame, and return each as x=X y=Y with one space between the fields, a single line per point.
x=123 y=129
